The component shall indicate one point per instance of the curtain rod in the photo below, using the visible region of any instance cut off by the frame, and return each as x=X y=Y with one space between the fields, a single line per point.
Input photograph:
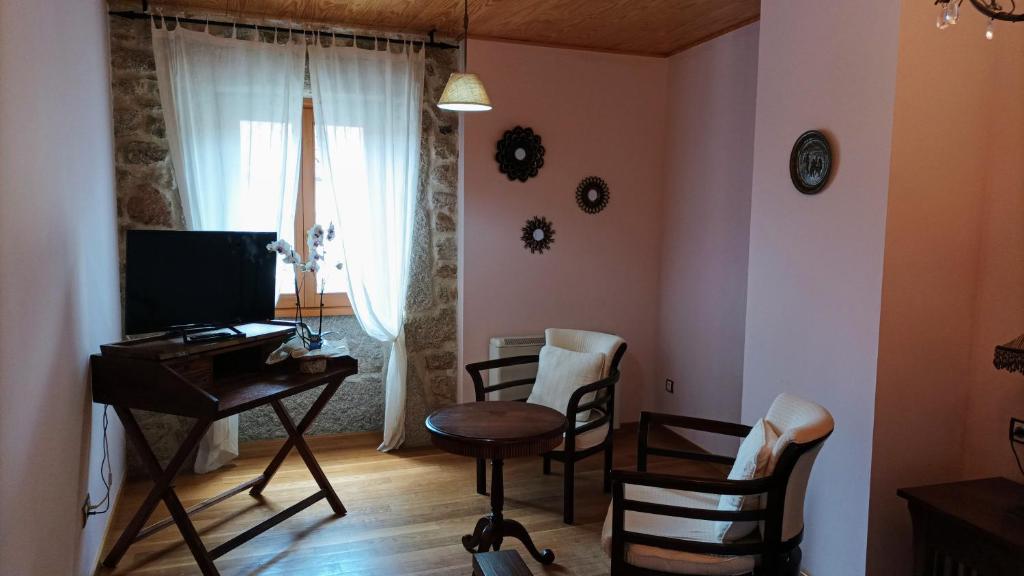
x=132 y=15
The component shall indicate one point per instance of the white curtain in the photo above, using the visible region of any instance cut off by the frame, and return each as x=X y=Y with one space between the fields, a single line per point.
x=233 y=110
x=367 y=108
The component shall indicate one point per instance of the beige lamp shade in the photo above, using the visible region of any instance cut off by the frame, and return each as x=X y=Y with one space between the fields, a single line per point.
x=464 y=93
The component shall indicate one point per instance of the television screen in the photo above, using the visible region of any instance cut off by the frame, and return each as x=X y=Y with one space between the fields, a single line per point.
x=174 y=278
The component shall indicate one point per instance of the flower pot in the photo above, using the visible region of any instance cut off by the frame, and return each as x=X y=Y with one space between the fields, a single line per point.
x=313 y=365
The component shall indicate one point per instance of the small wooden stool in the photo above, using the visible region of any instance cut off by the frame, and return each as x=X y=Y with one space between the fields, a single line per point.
x=503 y=563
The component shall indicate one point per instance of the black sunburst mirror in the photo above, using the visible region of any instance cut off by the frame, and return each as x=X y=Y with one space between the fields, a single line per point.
x=538 y=235
x=592 y=194
x=520 y=154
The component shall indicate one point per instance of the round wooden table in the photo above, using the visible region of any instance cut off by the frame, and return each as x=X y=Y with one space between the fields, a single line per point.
x=496 y=431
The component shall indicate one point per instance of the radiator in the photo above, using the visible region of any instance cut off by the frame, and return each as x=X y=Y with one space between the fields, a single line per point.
x=505 y=347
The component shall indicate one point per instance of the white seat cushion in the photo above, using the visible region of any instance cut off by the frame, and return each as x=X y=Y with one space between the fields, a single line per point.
x=752 y=461
x=588 y=439
x=674 y=561
x=561 y=372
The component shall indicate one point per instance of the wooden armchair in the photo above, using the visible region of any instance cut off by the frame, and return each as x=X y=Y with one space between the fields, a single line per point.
x=582 y=438
x=659 y=524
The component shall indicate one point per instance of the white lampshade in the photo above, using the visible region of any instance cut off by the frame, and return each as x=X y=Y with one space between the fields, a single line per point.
x=464 y=92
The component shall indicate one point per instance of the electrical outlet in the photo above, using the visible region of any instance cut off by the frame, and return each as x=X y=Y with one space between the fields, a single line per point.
x=1017 y=430
x=670 y=386
x=85 y=509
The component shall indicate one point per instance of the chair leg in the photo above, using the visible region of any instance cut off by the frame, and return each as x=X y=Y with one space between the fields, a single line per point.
x=547 y=465
x=569 y=495
x=608 y=468
x=790 y=565
x=787 y=564
x=481 y=476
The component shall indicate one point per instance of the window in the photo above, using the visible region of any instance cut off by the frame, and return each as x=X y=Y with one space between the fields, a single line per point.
x=311 y=208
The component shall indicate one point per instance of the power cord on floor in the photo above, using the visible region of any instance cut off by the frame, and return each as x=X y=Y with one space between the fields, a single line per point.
x=103 y=506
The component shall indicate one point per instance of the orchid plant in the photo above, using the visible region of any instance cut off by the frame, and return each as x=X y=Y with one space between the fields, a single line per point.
x=316 y=246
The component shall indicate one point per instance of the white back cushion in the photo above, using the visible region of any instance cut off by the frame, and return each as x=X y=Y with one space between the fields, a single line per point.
x=586 y=341
x=797 y=421
x=560 y=372
x=752 y=461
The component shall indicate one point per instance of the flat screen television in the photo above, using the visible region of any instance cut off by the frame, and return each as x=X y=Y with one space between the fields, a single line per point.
x=175 y=278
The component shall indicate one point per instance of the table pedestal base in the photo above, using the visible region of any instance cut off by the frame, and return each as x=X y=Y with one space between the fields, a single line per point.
x=492 y=529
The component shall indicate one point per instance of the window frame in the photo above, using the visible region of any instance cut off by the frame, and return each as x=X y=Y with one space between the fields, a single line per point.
x=335 y=303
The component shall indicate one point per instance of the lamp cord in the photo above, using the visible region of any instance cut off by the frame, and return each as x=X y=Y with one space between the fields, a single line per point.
x=103 y=506
x=465 y=37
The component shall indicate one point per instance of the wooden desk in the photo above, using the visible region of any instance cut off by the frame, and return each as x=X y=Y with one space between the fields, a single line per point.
x=973 y=527
x=209 y=381
x=498 y=430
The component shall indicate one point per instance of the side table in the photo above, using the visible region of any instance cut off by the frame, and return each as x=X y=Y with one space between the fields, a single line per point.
x=496 y=431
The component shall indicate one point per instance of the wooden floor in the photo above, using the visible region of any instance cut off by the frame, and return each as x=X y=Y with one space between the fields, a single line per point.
x=407 y=512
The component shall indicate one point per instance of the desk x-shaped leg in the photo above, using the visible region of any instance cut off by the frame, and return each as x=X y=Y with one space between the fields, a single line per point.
x=163 y=487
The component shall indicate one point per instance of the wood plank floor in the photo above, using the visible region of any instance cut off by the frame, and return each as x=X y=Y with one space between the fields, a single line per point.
x=407 y=512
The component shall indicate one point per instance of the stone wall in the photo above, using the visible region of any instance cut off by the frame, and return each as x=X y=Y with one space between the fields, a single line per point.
x=147 y=197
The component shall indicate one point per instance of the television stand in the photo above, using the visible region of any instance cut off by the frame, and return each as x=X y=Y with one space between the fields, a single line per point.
x=208 y=381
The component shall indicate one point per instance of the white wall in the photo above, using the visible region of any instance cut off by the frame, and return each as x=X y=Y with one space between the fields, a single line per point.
x=815 y=273
x=59 y=295
x=706 y=230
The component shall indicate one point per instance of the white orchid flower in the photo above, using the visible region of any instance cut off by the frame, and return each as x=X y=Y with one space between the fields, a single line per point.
x=292 y=257
x=280 y=246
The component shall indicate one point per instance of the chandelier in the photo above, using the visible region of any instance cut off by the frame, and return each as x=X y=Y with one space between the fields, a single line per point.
x=949 y=13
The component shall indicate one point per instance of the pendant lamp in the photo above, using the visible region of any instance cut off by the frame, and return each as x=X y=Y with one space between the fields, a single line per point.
x=464 y=91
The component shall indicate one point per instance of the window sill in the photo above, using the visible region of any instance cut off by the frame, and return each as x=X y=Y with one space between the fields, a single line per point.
x=313 y=313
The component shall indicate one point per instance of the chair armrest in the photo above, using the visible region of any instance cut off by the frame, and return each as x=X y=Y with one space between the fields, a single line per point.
x=691 y=423
x=699 y=424
x=476 y=368
x=608 y=383
x=603 y=404
x=694 y=483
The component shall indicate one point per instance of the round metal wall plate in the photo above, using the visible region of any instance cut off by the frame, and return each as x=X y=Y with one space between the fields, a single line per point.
x=810 y=162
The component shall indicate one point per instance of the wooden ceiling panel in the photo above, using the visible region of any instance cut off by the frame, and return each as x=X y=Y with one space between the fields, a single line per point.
x=656 y=27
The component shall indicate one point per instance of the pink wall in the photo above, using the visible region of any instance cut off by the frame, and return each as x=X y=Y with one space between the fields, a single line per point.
x=598 y=114
x=59 y=296
x=706 y=221
x=815 y=273
x=932 y=243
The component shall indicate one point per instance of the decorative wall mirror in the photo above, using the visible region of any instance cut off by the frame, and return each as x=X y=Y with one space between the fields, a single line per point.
x=592 y=194
x=520 y=154
x=538 y=235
